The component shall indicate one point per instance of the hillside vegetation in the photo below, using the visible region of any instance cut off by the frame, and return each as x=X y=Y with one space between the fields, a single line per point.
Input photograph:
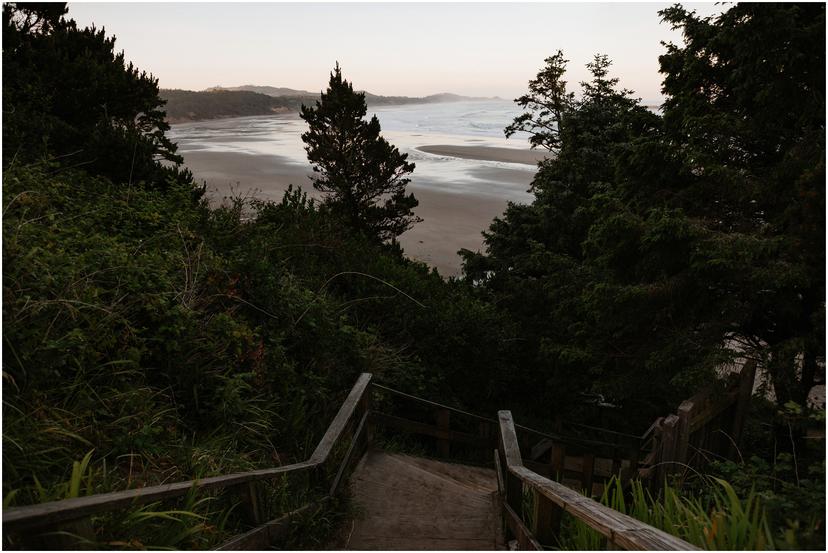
x=248 y=100
x=148 y=337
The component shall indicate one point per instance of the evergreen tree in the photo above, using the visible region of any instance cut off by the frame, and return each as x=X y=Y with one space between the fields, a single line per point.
x=654 y=244
x=545 y=105
x=363 y=175
x=68 y=95
x=746 y=113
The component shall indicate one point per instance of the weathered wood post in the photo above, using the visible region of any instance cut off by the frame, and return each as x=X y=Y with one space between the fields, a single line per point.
x=635 y=457
x=365 y=407
x=682 y=433
x=510 y=453
x=252 y=503
x=546 y=519
x=484 y=430
x=588 y=472
x=666 y=461
x=616 y=463
x=746 y=379
x=557 y=458
x=444 y=424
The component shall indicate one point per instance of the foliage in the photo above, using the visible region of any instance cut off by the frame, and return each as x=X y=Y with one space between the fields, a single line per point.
x=151 y=338
x=746 y=108
x=68 y=95
x=789 y=476
x=721 y=520
x=363 y=175
x=657 y=246
x=545 y=104
x=588 y=282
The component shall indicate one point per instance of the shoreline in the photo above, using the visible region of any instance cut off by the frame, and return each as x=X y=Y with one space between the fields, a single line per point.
x=451 y=220
x=486 y=153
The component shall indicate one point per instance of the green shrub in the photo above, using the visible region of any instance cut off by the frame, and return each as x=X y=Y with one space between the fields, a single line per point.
x=721 y=520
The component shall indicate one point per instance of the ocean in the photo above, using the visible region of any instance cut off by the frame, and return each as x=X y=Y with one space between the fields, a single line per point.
x=468 y=123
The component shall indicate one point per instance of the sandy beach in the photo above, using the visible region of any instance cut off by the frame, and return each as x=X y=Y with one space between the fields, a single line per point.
x=487 y=153
x=451 y=221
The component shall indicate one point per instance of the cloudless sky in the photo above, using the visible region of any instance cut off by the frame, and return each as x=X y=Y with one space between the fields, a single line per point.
x=484 y=49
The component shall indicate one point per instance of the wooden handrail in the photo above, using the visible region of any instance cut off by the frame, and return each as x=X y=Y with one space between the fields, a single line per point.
x=619 y=529
x=434 y=404
x=265 y=535
x=569 y=440
x=56 y=512
x=624 y=435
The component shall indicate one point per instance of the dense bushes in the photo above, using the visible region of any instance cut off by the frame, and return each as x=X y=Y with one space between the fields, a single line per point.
x=161 y=333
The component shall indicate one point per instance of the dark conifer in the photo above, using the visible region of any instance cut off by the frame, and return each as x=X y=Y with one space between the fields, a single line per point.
x=363 y=176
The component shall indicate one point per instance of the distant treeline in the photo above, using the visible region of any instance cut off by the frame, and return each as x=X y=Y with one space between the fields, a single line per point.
x=189 y=105
x=216 y=103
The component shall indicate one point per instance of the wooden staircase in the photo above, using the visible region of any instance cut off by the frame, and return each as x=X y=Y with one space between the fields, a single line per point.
x=411 y=503
x=486 y=495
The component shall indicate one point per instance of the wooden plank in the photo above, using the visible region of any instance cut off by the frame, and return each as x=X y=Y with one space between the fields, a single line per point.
x=501 y=488
x=54 y=512
x=403 y=502
x=618 y=528
x=541 y=468
x=525 y=538
x=616 y=465
x=434 y=404
x=514 y=492
x=508 y=438
x=602 y=466
x=540 y=448
x=708 y=407
x=252 y=507
x=485 y=431
x=71 y=509
x=682 y=436
x=425 y=429
x=264 y=536
x=668 y=449
x=596 y=446
x=257 y=539
x=558 y=461
x=588 y=473
x=621 y=529
x=629 y=438
x=746 y=379
x=357 y=444
x=346 y=411
x=575 y=466
x=546 y=517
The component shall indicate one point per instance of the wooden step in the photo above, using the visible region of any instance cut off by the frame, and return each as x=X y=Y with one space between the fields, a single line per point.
x=410 y=503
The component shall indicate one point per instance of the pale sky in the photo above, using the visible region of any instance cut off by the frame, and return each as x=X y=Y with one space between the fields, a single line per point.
x=490 y=49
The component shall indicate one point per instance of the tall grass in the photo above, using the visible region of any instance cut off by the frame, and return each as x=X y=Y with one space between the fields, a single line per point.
x=722 y=522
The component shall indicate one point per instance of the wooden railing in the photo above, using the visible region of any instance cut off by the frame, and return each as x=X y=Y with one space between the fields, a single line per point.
x=453 y=433
x=707 y=426
x=47 y=524
x=470 y=437
x=551 y=500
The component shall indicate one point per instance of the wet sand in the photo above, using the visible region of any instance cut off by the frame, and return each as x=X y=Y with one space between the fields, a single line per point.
x=451 y=221
x=487 y=153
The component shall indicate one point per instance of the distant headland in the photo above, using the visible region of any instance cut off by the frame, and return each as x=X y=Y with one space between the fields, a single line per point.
x=248 y=100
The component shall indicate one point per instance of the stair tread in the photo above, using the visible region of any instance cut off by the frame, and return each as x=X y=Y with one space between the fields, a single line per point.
x=411 y=503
